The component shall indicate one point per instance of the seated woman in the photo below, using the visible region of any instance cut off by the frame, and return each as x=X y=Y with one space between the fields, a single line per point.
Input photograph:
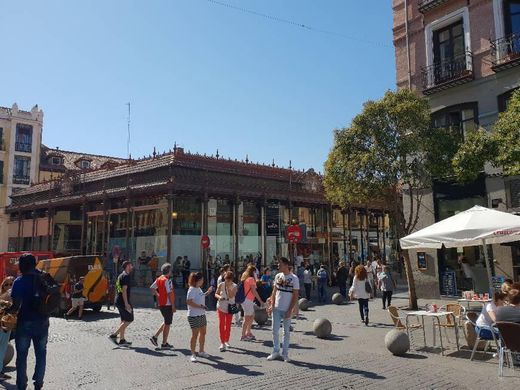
x=510 y=312
x=487 y=317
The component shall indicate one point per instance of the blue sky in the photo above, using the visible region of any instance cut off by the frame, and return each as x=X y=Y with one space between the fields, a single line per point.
x=196 y=73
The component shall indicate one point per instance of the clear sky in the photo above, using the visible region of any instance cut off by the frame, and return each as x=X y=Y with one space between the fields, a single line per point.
x=204 y=75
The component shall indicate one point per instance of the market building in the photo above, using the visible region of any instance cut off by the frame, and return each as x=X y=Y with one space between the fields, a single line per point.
x=465 y=57
x=163 y=205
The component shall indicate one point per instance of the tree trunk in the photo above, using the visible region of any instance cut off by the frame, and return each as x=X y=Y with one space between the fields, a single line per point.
x=412 y=294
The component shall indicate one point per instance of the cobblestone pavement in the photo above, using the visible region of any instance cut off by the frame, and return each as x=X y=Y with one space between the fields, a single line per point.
x=80 y=356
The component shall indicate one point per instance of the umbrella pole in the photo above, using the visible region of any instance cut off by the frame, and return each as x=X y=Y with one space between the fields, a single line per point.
x=488 y=268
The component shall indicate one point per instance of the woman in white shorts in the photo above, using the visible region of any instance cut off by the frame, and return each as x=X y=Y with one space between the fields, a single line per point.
x=248 y=305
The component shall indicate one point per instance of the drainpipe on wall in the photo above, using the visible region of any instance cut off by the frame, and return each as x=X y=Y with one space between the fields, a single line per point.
x=407 y=45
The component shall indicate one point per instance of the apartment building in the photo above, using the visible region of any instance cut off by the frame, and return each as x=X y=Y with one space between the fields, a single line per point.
x=464 y=55
x=20 y=140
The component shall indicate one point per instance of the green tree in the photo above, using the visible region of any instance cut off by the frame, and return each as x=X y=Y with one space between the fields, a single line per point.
x=388 y=151
x=501 y=147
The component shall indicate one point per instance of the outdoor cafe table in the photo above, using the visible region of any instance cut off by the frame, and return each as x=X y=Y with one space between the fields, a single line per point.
x=435 y=317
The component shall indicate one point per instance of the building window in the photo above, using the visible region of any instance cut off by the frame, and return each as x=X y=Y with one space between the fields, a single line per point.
x=23 y=138
x=512 y=17
x=1 y=172
x=503 y=100
x=56 y=160
x=448 y=51
x=84 y=164
x=2 y=145
x=22 y=169
x=460 y=118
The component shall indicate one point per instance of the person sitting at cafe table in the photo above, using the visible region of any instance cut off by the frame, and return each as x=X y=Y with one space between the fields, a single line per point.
x=488 y=315
x=510 y=312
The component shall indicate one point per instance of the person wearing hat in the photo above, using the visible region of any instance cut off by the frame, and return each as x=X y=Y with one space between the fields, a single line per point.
x=123 y=304
x=162 y=289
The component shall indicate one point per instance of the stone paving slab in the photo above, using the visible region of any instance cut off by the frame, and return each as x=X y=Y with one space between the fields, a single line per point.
x=81 y=357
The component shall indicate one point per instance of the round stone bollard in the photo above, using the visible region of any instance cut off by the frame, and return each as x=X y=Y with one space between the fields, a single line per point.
x=397 y=342
x=9 y=354
x=322 y=328
x=337 y=299
x=304 y=304
x=261 y=316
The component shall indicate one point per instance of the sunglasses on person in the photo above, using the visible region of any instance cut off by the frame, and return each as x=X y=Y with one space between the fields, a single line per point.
x=8 y=284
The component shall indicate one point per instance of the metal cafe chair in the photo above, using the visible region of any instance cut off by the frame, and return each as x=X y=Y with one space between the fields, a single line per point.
x=482 y=336
x=459 y=312
x=400 y=321
x=509 y=344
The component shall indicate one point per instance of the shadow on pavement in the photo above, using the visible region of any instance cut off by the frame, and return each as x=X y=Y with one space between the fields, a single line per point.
x=242 y=351
x=102 y=315
x=344 y=370
x=231 y=368
x=332 y=337
x=152 y=352
x=269 y=343
x=466 y=354
x=413 y=356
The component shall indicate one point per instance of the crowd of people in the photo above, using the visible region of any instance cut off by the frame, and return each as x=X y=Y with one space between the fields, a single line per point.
x=237 y=295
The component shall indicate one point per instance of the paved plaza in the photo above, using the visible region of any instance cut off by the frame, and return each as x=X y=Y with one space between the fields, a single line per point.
x=80 y=356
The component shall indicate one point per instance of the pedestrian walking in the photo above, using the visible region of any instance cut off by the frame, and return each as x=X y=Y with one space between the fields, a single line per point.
x=32 y=324
x=226 y=307
x=123 y=304
x=386 y=285
x=323 y=278
x=196 y=302
x=362 y=290
x=248 y=305
x=77 y=299
x=341 y=279
x=5 y=333
x=186 y=267
x=281 y=305
x=307 y=281
x=164 y=292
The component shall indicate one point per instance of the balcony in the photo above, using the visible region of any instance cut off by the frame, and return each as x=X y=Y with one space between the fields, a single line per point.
x=427 y=5
x=23 y=147
x=21 y=180
x=505 y=52
x=447 y=74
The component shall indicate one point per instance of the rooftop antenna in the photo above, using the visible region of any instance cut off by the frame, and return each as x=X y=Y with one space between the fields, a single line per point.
x=128 y=128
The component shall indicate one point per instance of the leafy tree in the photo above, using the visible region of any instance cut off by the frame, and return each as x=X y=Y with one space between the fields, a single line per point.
x=389 y=150
x=501 y=147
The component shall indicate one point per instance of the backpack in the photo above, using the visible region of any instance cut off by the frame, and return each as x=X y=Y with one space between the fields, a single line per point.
x=240 y=296
x=322 y=275
x=47 y=295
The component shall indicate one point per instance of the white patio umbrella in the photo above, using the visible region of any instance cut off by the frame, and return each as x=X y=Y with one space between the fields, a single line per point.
x=476 y=226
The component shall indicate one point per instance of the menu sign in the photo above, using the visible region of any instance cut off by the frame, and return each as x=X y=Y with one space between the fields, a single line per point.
x=449 y=283
x=272 y=220
x=421 y=261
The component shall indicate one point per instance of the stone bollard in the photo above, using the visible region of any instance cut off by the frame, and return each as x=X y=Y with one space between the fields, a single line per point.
x=9 y=354
x=322 y=328
x=397 y=342
x=304 y=304
x=337 y=299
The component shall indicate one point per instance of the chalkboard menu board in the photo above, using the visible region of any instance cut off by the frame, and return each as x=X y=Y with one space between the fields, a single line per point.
x=449 y=283
x=497 y=282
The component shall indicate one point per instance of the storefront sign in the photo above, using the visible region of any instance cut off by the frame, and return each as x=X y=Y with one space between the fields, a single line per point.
x=204 y=242
x=449 y=283
x=294 y=234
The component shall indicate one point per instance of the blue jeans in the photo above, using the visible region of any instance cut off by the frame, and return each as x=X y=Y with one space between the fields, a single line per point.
x=321 y=291
x=486 y=332
x=278 y=317
x=4 y=340
x=343 y=290
x=37 y=332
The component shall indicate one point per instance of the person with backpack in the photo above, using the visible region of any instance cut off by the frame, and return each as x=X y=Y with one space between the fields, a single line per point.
x=386 y=285
x=163 y=290
x=34 y=298
x=323 y=278
x=126 y=311
x=246 y=296
x=77 y=299
x=362 y=290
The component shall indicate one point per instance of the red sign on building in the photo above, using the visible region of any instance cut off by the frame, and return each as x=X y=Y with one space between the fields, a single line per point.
x=294 y=234
x=204 y=242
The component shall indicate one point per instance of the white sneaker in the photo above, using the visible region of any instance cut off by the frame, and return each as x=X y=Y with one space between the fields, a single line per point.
x=273 y=356
x=222 y=347
x=227 y=345
x=286 y=359
x=193 y=359
x=203 y=355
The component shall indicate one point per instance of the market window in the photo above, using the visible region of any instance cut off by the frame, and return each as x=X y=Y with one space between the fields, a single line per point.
x=1 y=172
x=512 y=17
x=55 y=160
x=448 y=51
x=460 y=118
x=23 y=138
x=84 y=164
x=22 y=168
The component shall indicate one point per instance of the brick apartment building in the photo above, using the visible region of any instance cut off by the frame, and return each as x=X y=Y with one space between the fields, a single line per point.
x=464 y=55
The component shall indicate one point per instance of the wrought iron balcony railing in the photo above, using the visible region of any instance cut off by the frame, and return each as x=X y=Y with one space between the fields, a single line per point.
x=505 y=52
x=426 y=5
x=23 y=147
x=21 y=179
x=447 y=74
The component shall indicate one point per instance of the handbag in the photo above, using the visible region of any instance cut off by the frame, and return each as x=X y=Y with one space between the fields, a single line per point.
x=368 y=287
x=232 y=307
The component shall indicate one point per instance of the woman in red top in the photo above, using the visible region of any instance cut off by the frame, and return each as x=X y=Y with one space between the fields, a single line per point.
x=248 y=305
